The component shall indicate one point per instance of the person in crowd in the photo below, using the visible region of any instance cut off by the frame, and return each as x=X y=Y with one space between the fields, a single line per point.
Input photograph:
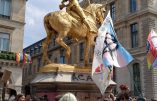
x=12 y=94
x=109 y=96
x=123 y=97
x=28 y=98
x=124 y=90
x=20 y=97
x=68 y=97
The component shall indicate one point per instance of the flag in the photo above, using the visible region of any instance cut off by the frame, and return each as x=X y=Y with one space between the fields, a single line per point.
x=113 y=52
x=19 y=57
x=27 y=58
x=108 y=52
x=152 y=49
x=23 y=58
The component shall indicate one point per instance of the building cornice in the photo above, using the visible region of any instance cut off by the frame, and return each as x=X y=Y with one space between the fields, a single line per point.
x=10 y=24
x=131 y=16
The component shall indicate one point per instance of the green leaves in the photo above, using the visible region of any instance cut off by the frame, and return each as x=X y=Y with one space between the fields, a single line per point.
x=7 y=55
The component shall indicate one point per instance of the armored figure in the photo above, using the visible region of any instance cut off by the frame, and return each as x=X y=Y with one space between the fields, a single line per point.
x=74 y=6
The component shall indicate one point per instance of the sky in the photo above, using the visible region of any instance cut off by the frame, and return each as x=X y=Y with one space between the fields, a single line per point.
x=35 y=12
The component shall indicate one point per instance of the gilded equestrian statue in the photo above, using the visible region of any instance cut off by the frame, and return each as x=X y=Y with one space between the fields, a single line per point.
x=64 y=24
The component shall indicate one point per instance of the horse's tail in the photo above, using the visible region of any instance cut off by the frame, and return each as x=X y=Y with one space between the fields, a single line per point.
x=50 y=32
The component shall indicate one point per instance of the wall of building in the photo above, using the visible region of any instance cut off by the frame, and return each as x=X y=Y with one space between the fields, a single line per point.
x=14 y=26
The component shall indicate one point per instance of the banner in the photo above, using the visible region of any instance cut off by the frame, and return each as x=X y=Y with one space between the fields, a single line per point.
x=108 y=52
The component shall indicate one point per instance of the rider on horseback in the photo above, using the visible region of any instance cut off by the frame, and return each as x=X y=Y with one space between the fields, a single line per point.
x=74 y=6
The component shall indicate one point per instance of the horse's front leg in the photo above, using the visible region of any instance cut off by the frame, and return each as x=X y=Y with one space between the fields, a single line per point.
x=45 y=49
x=89 y=42
x=86 y=58
x=60 y=41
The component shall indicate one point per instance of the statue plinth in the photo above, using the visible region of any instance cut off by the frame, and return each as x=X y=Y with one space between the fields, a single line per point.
x=54 y=67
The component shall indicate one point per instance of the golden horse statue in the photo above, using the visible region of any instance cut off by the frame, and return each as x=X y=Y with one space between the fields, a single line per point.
x=63 y=24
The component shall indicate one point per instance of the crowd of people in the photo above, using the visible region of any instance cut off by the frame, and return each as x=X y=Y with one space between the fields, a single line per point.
x=123 y=95
x=13 y=96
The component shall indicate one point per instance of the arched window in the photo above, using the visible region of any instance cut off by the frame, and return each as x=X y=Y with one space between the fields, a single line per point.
x=136 y=79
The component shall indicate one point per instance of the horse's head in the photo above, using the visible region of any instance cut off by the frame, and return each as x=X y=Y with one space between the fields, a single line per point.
x=98 y=11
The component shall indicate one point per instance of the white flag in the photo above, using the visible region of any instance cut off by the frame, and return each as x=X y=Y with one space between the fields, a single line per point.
x=100 y=74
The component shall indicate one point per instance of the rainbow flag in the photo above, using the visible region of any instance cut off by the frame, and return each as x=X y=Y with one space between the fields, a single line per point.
x=152 y=49
x=19 y=57
x=23 y=58
x=27 y=58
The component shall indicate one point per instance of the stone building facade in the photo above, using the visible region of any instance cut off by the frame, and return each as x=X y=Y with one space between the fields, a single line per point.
x=133 y=20
x=12 y=21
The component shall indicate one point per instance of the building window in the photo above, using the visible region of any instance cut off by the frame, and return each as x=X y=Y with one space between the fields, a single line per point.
x=113 y=10
x=134 y=35
x=81 y=51
x=5 y=8
x=62 y=57
x=136 y=79
x=133 y=6
x=4 y=42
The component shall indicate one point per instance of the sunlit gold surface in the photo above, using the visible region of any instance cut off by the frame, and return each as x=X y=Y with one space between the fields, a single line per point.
x=64 y=68
x=74 y=9
x=63 y=24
